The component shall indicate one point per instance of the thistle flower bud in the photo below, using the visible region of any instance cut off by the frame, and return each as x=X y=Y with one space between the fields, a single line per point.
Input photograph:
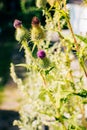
x=43 y=60
x=44 y=63
x=37 y=32
x=41 y=54
x=17 y=23
x=21 y=32
x=41 y=3
x=35 y=21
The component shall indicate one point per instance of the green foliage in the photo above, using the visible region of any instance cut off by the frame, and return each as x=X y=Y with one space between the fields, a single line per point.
x=28 y=6
x=82 y=93
x=54 y=91
x=82 y=38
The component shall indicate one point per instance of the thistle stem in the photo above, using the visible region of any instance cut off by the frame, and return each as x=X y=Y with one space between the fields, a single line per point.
x=83 y=115
x=44 y=81
x=75 y=41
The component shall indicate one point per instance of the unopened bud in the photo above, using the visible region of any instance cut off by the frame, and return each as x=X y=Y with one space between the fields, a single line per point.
x=21 y=32
x=37 y=32
x=35 y=21
x=17 y=23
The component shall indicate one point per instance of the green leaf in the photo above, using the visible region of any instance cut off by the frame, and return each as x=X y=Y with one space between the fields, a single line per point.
x=24 y=65
x=51 y=96
x=34 y=51
x=48 y=71
x=84 y=101
x=82 y=128
x=61 y=118
x=82 y=93
x=82 y=38
x=42 y=94
x=64 y=100
x=71 y=127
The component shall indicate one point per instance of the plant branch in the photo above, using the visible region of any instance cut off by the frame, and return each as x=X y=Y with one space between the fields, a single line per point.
x=75 y=41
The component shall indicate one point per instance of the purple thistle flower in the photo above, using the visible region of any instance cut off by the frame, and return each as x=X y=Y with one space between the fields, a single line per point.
x=41 y=54
x=17 y=23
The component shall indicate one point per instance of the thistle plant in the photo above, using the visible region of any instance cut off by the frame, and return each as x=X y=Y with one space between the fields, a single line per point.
x=54 y=90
